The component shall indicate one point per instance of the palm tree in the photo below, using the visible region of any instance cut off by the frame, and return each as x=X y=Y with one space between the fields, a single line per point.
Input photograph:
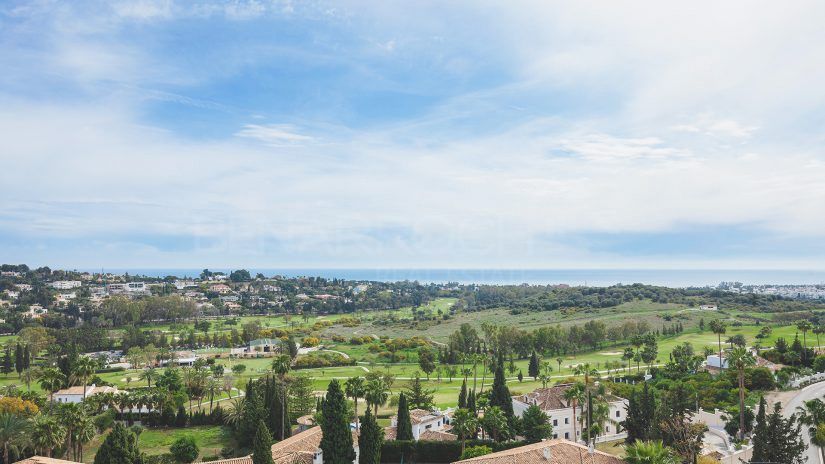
x=281 y=366
x=740 y=358
x=14 y=433
x=213 y=386
x=228 y=385
x=51 y=380
x=84 y=432
x=558 y=361
x=355 y=388
x=47 y=434
x=649 y=452
x=148 y=374
x=495 y=423
x=465 y=424
x=718 y=327
x=234 y=415
x=804 y=327
x=573 y=395
x=817 y=331
x=71 y=414
x=812 y=414
x=376 y=393
x=83 y=369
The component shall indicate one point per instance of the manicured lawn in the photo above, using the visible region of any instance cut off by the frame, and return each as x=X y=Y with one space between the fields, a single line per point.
x=153 y=441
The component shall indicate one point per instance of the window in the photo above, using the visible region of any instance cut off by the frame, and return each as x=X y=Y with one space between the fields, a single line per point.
x=555 y=422
x=618 y=413
x=606 y=428
x=567 y=420
x=566 y=435
x=555 y=435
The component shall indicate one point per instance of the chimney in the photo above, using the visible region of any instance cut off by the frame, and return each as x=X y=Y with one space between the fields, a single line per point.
x=546 y=453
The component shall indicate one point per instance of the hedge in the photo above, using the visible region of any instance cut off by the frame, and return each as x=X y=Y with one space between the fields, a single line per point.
x=435 y=452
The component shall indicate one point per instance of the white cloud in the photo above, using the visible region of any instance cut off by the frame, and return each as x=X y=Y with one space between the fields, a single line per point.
x=274 y=134
x=667 y=114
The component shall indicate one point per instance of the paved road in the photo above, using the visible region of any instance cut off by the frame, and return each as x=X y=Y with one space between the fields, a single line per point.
x=810 y=392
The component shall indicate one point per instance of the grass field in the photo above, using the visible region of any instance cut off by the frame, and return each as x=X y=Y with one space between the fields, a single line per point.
x=153 y=441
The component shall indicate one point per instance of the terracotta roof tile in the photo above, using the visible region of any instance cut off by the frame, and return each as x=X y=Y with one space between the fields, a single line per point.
x=560 y=452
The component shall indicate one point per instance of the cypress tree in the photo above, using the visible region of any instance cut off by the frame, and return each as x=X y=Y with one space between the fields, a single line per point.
x=404 y=427
x=8 y=363
x=262 y=445
x=119 y=447
x=180 y=419
x=336 y=444
x=533 y=367
x=760 y=433
x=500 y=394
x=18 y=359
x=252 y=408
x=471 y=402
x=462 y=396
x=27 y=357
x=276 y=413
x=370 y=440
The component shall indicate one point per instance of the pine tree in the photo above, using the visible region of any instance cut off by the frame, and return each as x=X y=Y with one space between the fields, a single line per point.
x=418 y=396
x=119 y=447
x=404 y=426
x=262 y=445
x=336 y=444
x=462 y=395
x=536 y=425
x=533 y=367
x=370 y=440
x=780 y=439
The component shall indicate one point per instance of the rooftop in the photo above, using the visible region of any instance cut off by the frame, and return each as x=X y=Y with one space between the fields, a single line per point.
x=546 y=452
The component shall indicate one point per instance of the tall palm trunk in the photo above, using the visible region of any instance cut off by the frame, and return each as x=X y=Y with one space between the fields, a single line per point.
x=720 y=350
x=741 y=404
x=357 y=426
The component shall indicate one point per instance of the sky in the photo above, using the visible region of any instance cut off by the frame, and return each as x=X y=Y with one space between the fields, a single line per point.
x=517 y=134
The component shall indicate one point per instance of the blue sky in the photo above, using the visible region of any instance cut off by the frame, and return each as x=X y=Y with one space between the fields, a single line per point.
x=412 y=134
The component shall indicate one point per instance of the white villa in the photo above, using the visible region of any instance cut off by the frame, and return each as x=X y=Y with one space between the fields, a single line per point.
x=426 y=425
x=551 y=400
x=66 y=284
x=75 y=394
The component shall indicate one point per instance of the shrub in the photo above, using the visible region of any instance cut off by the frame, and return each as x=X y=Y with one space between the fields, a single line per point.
x=185 y=449
x=322 y=359
x=475 y=451
x=105 y=420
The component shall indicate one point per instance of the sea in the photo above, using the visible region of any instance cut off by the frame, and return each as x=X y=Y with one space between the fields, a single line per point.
x=573 y=277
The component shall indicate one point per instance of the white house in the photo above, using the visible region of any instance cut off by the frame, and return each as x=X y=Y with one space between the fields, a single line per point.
x=128 y=287
x=708 y=307
x=551 y=400
x=36 y=311
x=182 y=284
x=426 y=425
x=63 y=298
x=66 y=284
x=713 y=361
x=75 y=394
